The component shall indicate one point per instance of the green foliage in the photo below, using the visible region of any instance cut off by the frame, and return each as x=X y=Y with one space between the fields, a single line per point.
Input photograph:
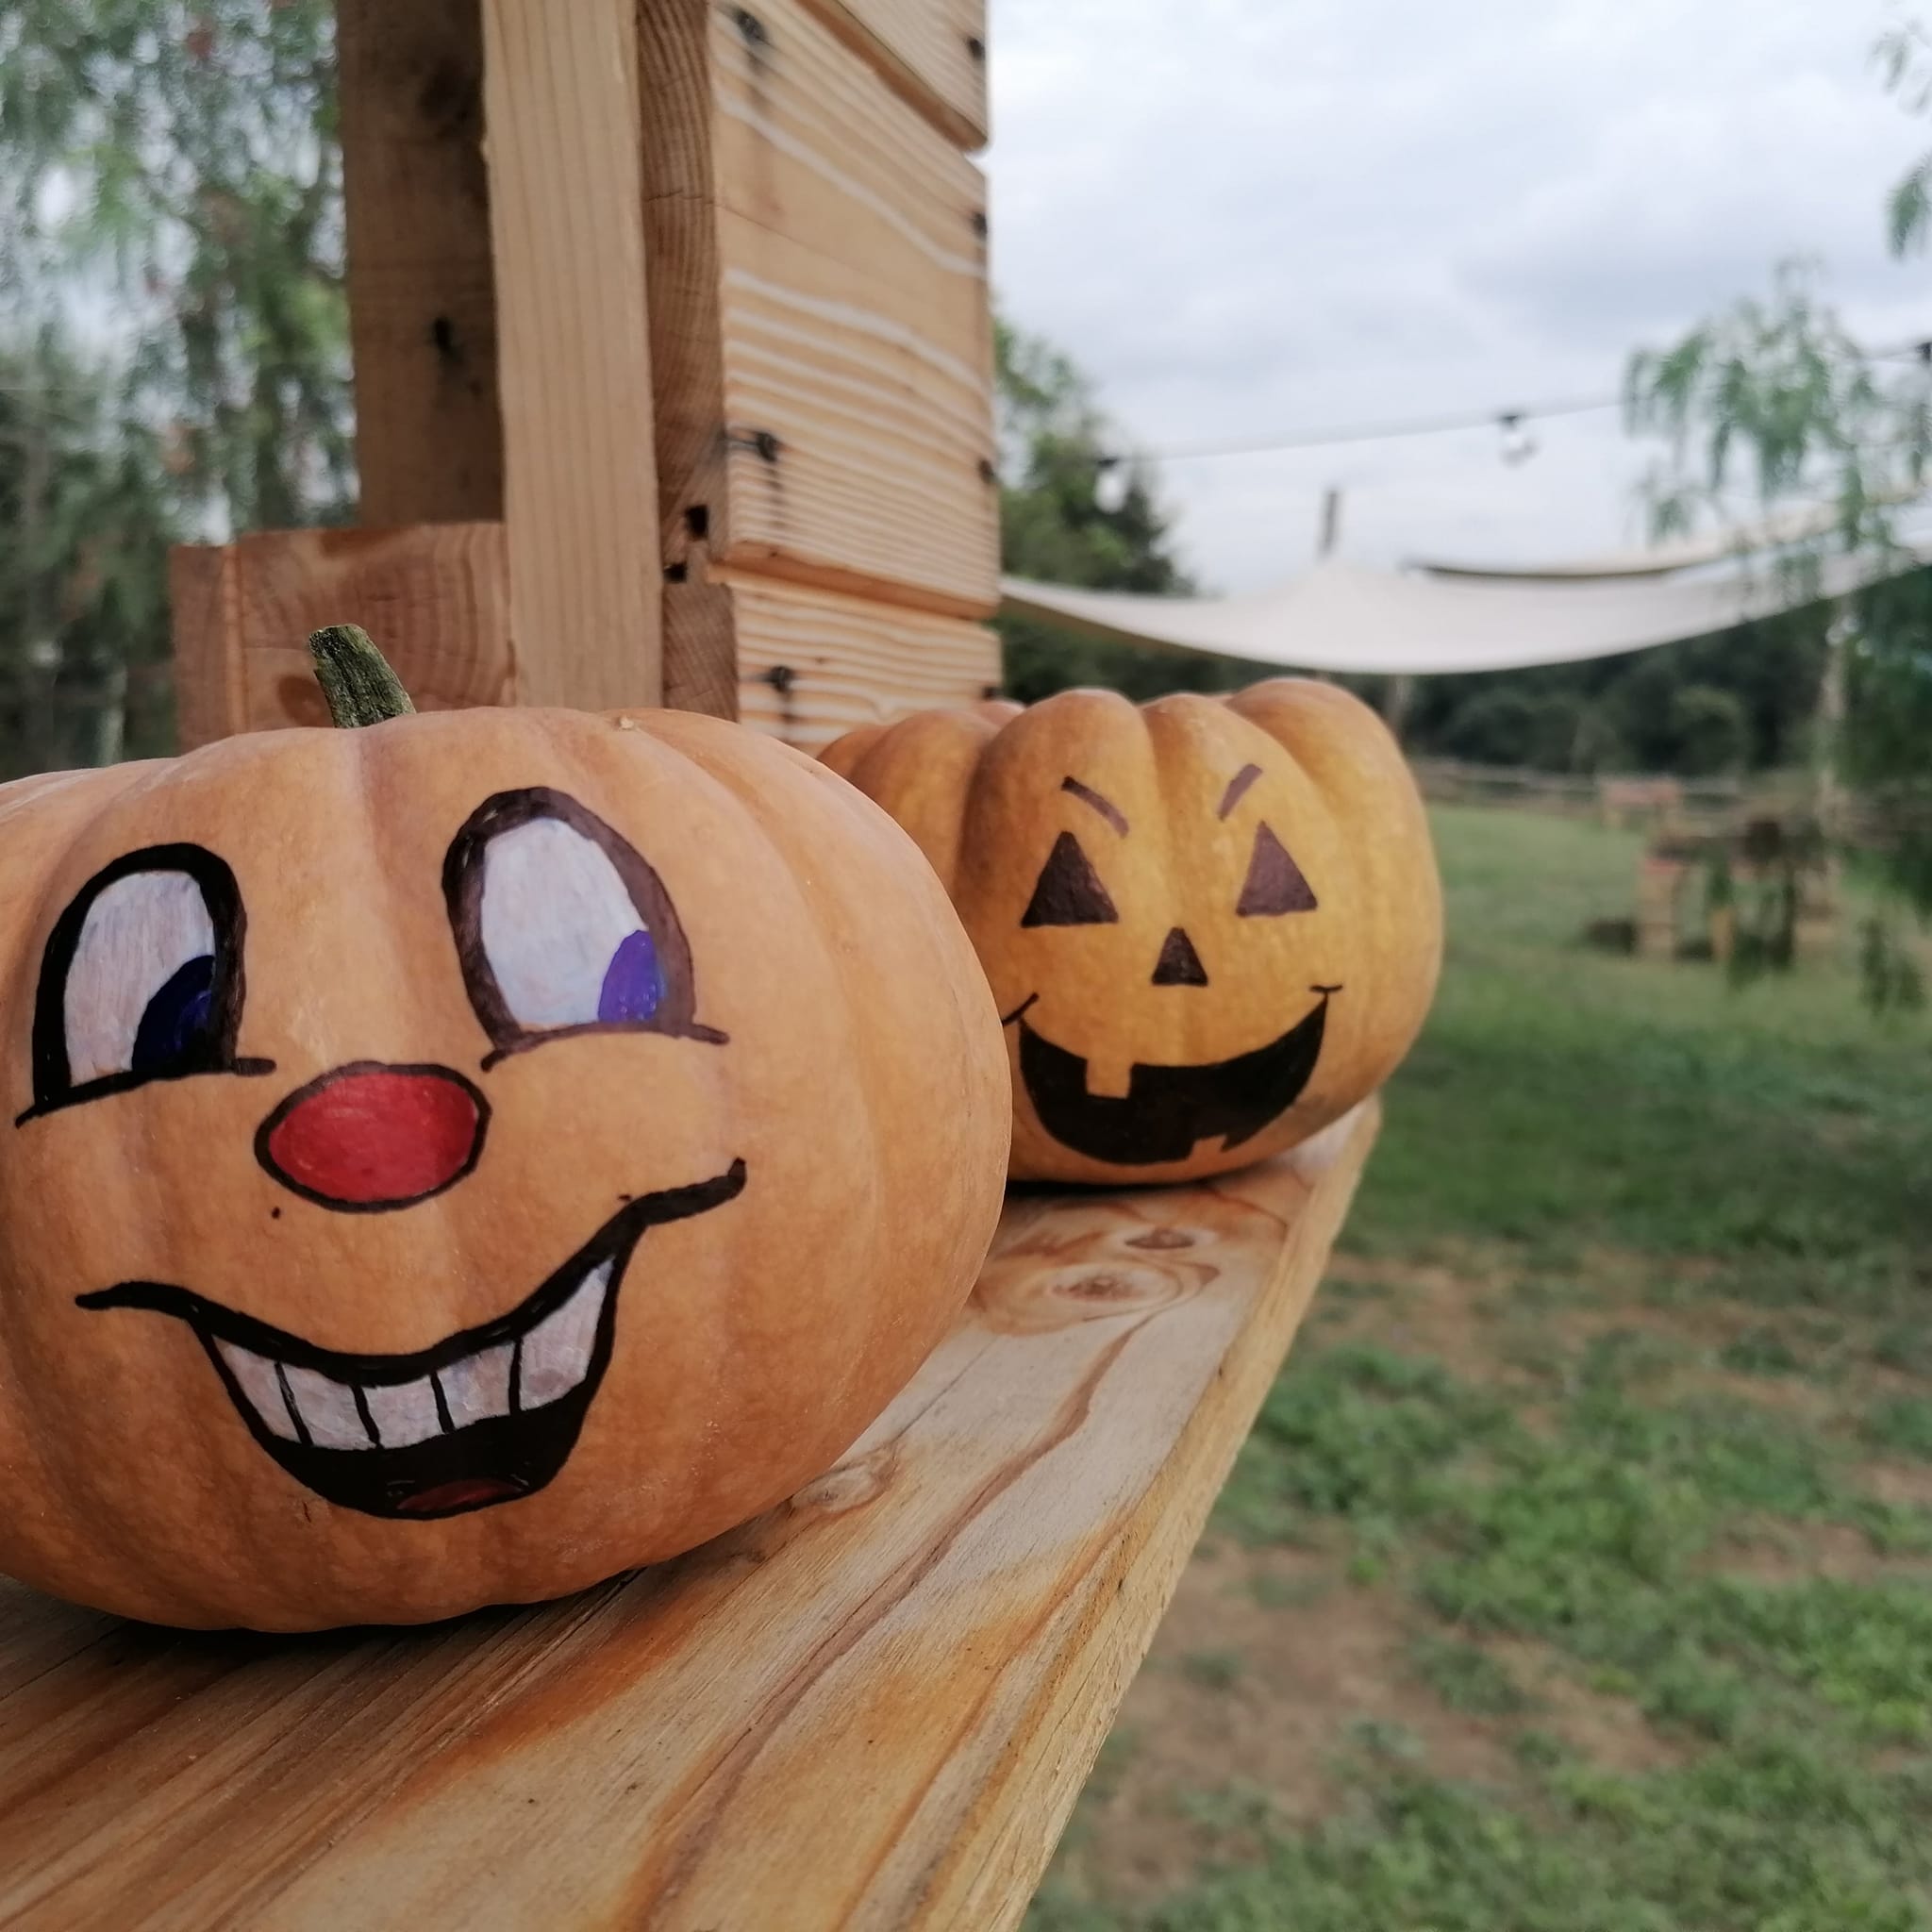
x=85 y=509
x=1467 y=1678
x=1771 y=404
x=183 y=160
x=1053 y=528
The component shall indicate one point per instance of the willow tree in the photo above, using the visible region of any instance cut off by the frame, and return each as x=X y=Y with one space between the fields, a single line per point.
x=1771 y=407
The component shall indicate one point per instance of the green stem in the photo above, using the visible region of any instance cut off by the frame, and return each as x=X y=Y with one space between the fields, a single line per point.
x=355 y=678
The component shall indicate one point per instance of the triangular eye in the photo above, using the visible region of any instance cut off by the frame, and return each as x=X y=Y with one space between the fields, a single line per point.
x=1274 y=882
x=1069 y=891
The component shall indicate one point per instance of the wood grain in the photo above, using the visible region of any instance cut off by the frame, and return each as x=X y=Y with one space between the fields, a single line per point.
x=422 y=291
x=204 y=612
x=813 y=664
x=435 y=597
x=819 y=314
x=931 y=53
x=871 y=1709
x=580 y=491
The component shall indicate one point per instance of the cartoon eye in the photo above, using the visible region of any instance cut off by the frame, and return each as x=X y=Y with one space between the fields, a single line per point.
x=141 y=979
x=1274 y=883
x=1069 y=891
x=562 y=927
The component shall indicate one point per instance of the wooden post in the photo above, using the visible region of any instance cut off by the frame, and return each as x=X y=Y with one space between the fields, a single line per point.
x=580 y=491
x=423 y=313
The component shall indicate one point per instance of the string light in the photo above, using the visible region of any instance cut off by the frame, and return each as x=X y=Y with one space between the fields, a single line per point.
x=1518 y=444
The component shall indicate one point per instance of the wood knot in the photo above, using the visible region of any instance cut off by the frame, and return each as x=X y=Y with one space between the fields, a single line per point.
x=1103 y=1285
x=1033 y=1301
x=849 y=1486
x=752 y=27
x=1158 y=1238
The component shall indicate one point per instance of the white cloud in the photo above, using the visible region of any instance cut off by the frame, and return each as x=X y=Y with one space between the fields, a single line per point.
x=1245 y=217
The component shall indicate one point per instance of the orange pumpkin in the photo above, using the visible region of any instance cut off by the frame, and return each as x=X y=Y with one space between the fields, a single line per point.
x=456 y=1160
x=1212 y=926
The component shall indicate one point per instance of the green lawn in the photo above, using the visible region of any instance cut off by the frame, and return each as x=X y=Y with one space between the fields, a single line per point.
x=1578 y=1575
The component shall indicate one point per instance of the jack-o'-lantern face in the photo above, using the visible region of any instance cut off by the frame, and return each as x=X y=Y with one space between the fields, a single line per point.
x=1210 y=927
x=418 y=1195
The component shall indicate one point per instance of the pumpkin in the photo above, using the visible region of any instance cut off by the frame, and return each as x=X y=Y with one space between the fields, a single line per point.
x=1212 y=926
x=454 y=1160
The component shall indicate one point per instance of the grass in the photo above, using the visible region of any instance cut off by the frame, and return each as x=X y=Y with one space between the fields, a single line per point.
x=1635 y=1312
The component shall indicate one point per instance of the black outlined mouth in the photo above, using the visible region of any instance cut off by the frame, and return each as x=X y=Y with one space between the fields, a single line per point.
x=1168 y=1110
x=484 y=1416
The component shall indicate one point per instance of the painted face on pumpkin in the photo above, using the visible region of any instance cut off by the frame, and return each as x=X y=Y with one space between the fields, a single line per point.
x=1167 y=1110
x=562 y=929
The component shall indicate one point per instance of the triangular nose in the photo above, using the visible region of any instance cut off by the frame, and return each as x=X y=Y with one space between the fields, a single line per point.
x=1179 y=964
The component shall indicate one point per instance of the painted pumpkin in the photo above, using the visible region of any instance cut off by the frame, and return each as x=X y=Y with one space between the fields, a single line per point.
x=453 y=1161
x=1212 y=925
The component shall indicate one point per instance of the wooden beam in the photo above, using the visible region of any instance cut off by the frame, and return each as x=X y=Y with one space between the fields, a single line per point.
x=422 y=293
x=813 y=664
x=931 y=53
x=204 y=606
x=435 y=597
x=819 y=316
x=580 y=492
x=871 y=1709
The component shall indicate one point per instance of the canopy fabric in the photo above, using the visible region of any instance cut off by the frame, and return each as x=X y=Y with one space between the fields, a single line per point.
x=1795 y=524
x=1349 y=617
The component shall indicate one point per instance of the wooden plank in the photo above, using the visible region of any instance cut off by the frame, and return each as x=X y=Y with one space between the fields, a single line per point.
x=203 y=607
x=422 y=293
x=869 y=1709
x=435 y=596
x=580 y=491
x=813 y=664
x=932 y=52
x=820 y=321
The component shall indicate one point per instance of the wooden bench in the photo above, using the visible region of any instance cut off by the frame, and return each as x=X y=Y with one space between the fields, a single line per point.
x=871 y=1709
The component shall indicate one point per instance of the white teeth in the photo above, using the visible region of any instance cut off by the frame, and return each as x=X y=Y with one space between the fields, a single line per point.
x=328 y=1410
x=404 y=1412
x=556 y=1352
x=256 y=1375
x=542 y=1365
x=478 y=1385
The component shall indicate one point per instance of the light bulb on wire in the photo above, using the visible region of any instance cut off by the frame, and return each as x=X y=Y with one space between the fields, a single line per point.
x=1110 y=483
x=1518 y=445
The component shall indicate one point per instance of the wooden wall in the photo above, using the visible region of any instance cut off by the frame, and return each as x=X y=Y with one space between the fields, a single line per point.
x=673 y=369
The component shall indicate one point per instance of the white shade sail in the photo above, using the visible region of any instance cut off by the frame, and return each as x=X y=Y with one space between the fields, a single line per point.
x=1349 y=617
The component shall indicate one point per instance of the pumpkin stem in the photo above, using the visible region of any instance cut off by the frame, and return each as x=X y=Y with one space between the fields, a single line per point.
x=355 y=678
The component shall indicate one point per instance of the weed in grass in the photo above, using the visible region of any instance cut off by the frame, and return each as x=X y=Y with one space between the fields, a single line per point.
x=1289 y=1592
x=1238 y=1808
x=1214 y=1670
x=1759 y=1351
x=1467 y=1678
x=1902 y=1425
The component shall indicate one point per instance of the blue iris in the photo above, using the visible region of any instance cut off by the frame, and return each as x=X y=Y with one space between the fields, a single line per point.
x=175 y=1021
x=633 y=982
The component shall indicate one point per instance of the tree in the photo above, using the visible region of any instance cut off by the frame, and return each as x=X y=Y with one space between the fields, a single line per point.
x=180 y=163
x=1771 y=405
x=1053 y=526
x=83 y=631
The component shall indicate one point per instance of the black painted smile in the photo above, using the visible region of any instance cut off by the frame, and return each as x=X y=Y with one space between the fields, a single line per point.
x=1167 y=1110
x=484 y=1416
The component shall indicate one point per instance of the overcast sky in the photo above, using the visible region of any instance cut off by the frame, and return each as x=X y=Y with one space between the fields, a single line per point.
x=1246 y=217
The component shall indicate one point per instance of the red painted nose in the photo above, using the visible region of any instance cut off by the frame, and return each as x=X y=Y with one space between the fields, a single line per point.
x=367 y=1136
